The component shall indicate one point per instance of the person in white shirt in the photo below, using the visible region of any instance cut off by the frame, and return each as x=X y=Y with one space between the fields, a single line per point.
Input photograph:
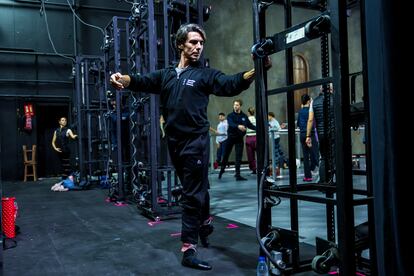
x=274 y=128
x=251 y=141
x=221 y=138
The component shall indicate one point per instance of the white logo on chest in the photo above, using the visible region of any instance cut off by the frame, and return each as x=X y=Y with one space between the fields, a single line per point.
x=188 y=82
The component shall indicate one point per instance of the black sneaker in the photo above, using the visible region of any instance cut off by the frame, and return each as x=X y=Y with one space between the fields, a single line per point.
x=190 y=260
x=205 y=231
x=220 y=173
x=240 y=178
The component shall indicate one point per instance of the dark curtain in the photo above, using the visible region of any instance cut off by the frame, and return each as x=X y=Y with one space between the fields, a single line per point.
x=390 y=76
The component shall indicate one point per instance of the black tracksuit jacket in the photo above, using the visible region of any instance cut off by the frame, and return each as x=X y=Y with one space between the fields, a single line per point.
x=235 y=119
x=185 y=98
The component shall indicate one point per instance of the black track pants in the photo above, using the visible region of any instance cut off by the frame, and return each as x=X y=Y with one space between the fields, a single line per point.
x=190 y=157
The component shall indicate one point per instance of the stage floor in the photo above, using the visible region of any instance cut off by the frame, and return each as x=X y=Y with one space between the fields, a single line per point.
x=79 y=233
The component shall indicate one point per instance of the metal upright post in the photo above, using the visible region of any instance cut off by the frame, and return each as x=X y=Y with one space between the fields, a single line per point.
x=166 y=34
x=262 y=128
x=117 y=68
x=154 y=105
x=88 y=102
x=79 y=87
x=294 y=220
x=86 y=109
x=345 y=208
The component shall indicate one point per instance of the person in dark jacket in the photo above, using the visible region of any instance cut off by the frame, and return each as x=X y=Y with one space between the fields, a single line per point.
x=310 y=154
x=238 y=124
x=319 y=117
x=60 y=143
x=184 y=95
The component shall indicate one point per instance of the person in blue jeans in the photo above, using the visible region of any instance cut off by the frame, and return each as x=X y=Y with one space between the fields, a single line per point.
x=317 y=117
x=221 y=138
x=310 y=154
x=65 y=185
x=274 y=128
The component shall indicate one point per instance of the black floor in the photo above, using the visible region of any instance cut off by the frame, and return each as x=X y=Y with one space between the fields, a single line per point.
x=79 y=233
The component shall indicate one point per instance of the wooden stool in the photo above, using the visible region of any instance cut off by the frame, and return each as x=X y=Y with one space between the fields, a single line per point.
x=29 y=162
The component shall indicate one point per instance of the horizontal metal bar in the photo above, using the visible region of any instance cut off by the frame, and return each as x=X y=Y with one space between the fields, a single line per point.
x=355 y=73
x=359 y=172
x=299 y=86
x=319 y=187
x=36 y=4
x=363 y=201
x=294 y=35
x=10 y=81
x=28 y=97
x=297 y=196
x=360 y=192
x=29 y=52
x=317 y=199
x=306 y=187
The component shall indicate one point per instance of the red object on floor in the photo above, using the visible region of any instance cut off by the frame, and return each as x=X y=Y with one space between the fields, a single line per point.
x=160 y=199
x=8 y=216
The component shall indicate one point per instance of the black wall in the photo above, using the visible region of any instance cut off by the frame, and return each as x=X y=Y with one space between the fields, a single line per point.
x=13 y=135
x=30 y=71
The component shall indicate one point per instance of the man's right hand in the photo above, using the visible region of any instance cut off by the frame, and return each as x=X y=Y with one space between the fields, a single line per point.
x=119 y=81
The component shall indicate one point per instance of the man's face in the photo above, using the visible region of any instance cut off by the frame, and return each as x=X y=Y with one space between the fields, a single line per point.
x=236 y=107
x=193 y=46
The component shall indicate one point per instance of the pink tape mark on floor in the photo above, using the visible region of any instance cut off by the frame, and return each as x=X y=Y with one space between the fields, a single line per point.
x=231 y=226
x=153 y=223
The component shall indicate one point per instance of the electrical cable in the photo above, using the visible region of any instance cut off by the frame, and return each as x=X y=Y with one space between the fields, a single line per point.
x=43 y=12
x=133 y=132
x=83 y=22
x=108 y=136
x=132 y=115
x=262 y=91
x=258 y=218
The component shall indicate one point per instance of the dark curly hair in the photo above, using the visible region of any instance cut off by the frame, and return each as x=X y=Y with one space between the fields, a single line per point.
x=305 y=98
